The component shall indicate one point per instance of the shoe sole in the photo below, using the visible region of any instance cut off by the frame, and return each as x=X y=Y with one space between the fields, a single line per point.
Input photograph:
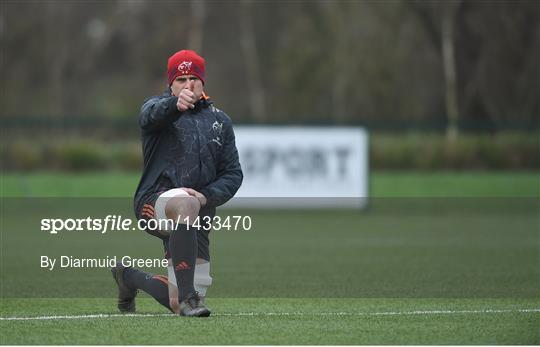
x=205 y=314
x=202 y=315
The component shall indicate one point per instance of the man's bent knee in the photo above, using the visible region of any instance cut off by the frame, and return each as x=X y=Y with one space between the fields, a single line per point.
x=184 y=207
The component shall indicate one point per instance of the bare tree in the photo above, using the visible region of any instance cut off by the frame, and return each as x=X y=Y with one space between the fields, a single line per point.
x=438 y=20
x=56 y=15
x=249 y=50
x=449 y=9
x=335 y=15
x=196 y=32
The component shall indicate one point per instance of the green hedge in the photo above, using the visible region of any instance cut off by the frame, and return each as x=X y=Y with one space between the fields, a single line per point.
x=510 y=151
x=71 y=156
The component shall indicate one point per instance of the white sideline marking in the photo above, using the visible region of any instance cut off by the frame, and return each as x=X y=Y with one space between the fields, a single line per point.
x=249 y=314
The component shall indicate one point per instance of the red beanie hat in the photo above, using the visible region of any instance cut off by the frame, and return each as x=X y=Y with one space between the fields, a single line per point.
x=185 y=62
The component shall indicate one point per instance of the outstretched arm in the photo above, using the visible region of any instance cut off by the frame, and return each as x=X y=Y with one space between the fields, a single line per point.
x=158 y=112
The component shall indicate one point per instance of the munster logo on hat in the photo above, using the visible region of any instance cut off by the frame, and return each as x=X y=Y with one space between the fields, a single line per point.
x=185 y=66
x=185 y=62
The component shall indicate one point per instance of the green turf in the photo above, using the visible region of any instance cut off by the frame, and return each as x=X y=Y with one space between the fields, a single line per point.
x=398 y=248
x=331 y=277
x=454 y=255
x=382 y=184
x=281 y=321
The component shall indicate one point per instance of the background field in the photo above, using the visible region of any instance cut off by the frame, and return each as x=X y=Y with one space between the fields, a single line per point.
x=456 y=270
x=382 y=184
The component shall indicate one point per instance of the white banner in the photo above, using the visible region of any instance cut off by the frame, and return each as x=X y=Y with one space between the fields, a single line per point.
x=317 y=166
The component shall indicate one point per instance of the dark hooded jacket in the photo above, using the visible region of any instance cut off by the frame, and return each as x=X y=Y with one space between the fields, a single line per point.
x=194 y=149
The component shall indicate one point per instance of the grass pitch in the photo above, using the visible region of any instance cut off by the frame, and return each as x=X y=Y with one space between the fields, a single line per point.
x=408 y=271
x=278 y=321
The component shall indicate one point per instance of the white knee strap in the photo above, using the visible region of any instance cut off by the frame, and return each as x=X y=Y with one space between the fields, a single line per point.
x=202 y=278
x=201 y=281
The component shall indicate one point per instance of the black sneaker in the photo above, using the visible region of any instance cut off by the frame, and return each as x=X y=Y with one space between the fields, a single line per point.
x=193 y=307
x=126 y=296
